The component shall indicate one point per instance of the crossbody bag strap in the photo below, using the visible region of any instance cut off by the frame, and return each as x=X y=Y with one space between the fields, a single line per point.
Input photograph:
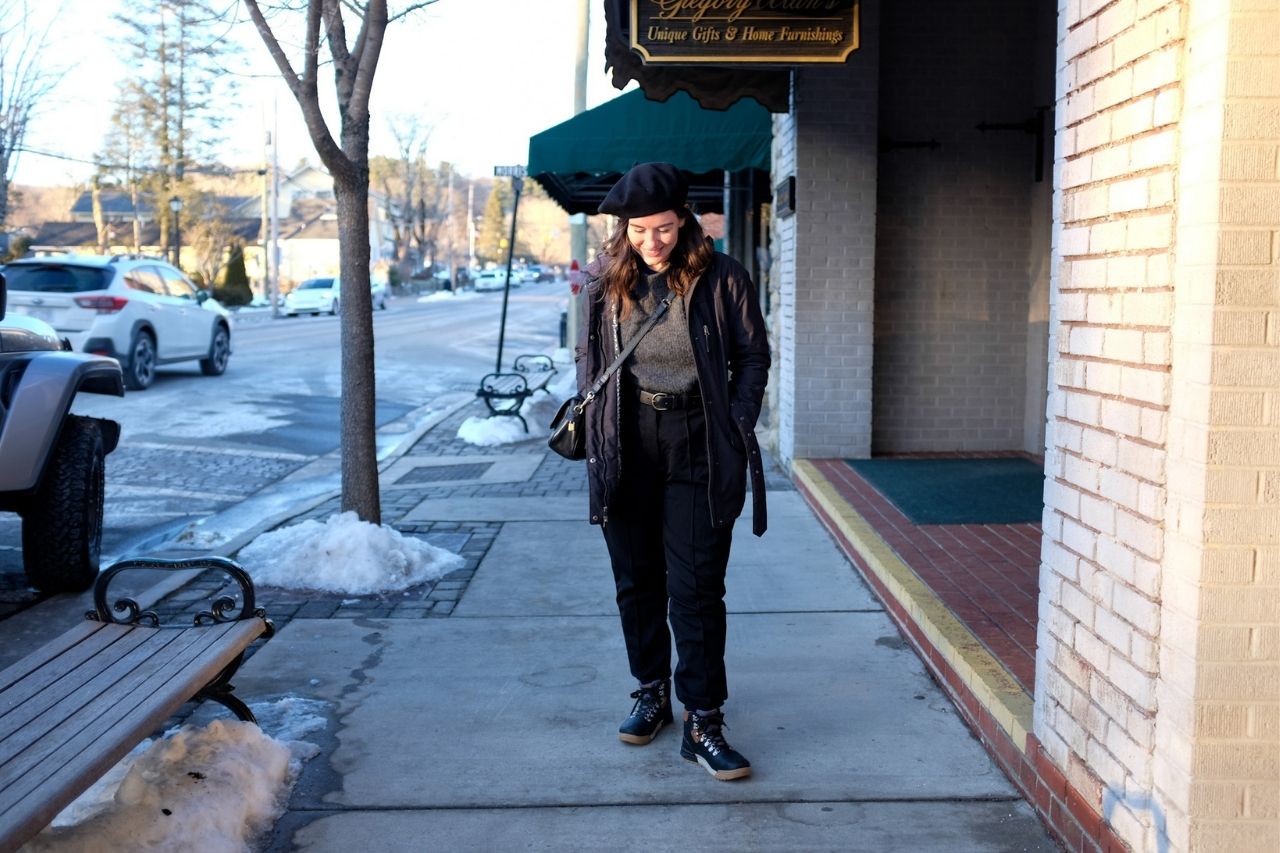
x=626 y=351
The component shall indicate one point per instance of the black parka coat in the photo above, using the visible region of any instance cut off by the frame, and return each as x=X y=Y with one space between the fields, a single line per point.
x=731 y=350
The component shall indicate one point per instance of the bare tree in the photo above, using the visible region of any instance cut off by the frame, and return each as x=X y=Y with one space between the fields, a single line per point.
x=207 y=231
x=416 y=196
x=25 y=82
x=347 y=159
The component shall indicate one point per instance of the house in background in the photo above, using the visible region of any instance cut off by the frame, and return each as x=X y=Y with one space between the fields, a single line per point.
x=306 y=224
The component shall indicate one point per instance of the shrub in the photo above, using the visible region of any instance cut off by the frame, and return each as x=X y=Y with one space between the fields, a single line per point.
x=234 y=288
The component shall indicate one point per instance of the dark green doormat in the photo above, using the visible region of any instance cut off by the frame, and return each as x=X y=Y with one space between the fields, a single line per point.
x=1003 y=490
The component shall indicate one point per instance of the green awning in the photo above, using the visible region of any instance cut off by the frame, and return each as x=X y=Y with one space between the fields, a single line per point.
x=577 y=161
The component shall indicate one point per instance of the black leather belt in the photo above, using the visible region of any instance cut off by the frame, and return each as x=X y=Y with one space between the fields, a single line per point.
x=665 y=402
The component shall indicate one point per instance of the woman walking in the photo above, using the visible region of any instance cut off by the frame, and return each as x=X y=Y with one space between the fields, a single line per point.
x=669 y=441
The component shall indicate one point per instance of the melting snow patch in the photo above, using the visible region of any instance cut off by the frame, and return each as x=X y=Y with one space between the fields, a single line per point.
x=344 y=555
x=213 y=787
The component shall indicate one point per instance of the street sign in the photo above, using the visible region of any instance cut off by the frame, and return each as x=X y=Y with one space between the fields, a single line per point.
x=509 y=172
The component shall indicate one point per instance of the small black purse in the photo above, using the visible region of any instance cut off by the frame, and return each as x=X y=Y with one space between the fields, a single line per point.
x=566 y=429
x=568 y=436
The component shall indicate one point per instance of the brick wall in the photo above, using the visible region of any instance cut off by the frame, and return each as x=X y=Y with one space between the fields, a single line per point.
x=782 y=297
x=826 y=259
x=1219 y=691
x=1158 y=689
x=954 y=225
x=1098 y=657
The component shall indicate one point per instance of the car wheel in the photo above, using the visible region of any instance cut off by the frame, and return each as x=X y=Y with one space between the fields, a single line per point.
x=219 y=353
x=62 y=523
x=141 y=370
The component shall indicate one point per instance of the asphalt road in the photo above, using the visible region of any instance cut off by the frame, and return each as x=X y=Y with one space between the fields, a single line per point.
x=194 y=446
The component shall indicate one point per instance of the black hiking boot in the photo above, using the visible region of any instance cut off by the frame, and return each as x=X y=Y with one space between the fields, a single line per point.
x=704 y=743
x=650 y=713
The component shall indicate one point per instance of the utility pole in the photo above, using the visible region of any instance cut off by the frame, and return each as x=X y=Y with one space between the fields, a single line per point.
x=517 y=174
x=471 y=226
x=265 y=228
x=578 y=221
x=448 y=217
x=274 y=278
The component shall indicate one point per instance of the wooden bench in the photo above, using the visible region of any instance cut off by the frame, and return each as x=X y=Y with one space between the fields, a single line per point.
x=72 y=709
x=505 y=393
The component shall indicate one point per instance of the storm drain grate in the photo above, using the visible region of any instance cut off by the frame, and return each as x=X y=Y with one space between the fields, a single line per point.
x=439 y=473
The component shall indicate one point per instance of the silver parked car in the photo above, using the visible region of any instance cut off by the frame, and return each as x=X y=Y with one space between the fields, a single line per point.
x=138 y=310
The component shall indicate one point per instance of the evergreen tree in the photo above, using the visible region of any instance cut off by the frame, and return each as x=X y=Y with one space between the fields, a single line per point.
x=234 y=288
x=493 y=233
x=179 y=54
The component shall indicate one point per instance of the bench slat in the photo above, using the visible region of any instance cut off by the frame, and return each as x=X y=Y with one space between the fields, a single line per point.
x=59 y=675
x=105 y=726
x=41 y=656
x=35 y=712
x=110 y=677
x=162 y=656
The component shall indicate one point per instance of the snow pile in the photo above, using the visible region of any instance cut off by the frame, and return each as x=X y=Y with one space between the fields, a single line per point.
x=537 y=410
x=344 y=555
x=209 y=788
x=443 y=295
x=193 y=535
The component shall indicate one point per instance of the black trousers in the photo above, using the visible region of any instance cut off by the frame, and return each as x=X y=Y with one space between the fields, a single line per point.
x=668 y=561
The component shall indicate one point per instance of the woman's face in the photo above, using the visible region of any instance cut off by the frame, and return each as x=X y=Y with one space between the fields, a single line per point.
x=654 y=237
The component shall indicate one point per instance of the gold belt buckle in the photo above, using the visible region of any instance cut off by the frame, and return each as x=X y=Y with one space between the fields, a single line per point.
x=660 y=401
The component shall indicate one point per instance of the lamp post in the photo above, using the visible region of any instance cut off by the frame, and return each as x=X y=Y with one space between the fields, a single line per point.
x=175 y=204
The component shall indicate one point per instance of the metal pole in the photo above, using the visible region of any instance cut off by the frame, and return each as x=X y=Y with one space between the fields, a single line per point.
x=265 y=172
x=274 y=234
x=471 y=227
x=517 y=183
x=578 y=222
x=448 y=218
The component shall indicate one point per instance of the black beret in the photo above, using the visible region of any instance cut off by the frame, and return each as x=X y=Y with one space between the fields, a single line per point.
x=647 y=189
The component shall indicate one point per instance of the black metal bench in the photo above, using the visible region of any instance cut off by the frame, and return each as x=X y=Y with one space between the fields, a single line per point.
x=72 y=709
x=505 y=393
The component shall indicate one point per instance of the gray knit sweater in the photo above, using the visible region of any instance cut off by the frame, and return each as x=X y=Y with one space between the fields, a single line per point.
x=663 y=360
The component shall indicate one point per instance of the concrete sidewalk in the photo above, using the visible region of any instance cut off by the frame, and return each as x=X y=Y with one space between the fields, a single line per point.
x=481 y=714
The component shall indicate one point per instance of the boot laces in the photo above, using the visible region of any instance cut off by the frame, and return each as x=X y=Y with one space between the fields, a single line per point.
x=648 y=702
x=709 y=731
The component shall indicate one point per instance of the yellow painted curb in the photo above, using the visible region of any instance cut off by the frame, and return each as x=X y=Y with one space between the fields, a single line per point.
x=988 y=680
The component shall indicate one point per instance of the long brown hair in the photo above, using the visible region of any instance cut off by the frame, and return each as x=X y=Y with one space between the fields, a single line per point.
x=689 y=259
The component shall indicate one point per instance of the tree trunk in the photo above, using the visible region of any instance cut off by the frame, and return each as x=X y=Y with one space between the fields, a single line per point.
x=99 y=222
x=358 y=424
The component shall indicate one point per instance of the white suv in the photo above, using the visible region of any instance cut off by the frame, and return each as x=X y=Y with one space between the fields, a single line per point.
x=139 y=310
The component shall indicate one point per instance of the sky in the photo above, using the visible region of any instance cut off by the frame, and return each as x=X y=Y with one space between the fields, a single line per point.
x=484 y=75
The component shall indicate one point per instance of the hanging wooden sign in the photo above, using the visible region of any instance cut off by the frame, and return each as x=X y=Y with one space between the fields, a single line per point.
x=744 y=32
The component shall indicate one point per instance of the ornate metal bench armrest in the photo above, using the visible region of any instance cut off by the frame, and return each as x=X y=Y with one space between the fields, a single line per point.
x=224 y=608
x=534 y=364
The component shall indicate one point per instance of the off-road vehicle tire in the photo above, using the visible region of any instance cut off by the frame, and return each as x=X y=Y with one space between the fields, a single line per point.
x=219 y=353
x=140 y=372
x=62 y=522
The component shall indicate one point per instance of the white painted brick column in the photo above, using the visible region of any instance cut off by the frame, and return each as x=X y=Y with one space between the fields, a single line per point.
x=1111 y=312
x=825 y=256
x=1218 y=772
x=1158 y=661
